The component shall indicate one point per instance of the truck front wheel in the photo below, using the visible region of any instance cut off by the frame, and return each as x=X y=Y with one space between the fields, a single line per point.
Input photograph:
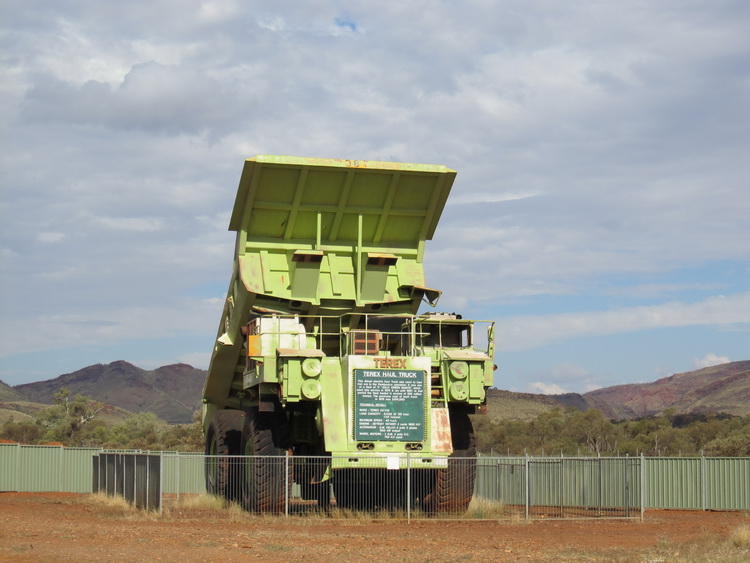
x=223 y=439
x=267 y=471
x=454 y=484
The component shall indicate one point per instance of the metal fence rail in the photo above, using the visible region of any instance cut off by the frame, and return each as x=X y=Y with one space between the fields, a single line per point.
x=559 y=487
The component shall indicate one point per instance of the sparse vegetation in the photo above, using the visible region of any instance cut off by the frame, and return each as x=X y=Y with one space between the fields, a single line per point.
x=741 y=536
x=82 y=421
x=485 y=509
x=572 y=432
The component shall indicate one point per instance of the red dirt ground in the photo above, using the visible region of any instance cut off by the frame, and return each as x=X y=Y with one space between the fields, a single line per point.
x=70 y=527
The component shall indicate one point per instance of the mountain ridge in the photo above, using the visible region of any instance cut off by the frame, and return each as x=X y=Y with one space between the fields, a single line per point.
x=173 y=392
x=721 y=388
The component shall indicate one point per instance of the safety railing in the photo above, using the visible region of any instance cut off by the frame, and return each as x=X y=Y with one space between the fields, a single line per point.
x=455 y=488
x=371 y=333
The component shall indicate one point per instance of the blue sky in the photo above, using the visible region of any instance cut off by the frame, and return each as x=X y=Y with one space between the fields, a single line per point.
x=599 y=216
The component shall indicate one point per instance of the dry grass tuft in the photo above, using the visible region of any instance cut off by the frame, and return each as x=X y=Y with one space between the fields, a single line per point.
x=485 y=509
x=740 y=536
x=111 y=503
x=117 y=507
x=200 y=502
x=207 y=507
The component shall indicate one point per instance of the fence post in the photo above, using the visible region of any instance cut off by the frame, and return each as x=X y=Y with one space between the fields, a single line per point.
x=286 y=484
x=643 y=485
x=60 y=469
x=527 y=485
x=18 y=467
x=628 y=487
x=408 y=488
x=161 y=481
x=703 y=482
x=599 y=471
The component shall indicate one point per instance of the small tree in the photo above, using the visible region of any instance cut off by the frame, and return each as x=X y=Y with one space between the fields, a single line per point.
x=65 y=420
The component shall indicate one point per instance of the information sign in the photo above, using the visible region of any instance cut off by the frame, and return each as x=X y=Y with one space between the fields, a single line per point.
x=389 y=405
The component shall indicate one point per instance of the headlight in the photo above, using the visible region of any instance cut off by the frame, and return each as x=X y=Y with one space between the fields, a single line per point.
x=459 y=370
x=311 y=367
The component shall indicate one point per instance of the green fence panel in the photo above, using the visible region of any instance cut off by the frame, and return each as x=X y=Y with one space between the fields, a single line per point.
x=39 y=468
x=9 y=460
x=673 y=482
x=183 y=473
x=77 y=470
x=698 y=483
x=26 y=468
x=501 y=479
x=726 y=483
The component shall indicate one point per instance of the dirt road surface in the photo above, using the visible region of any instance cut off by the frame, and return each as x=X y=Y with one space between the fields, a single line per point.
x=70 y=527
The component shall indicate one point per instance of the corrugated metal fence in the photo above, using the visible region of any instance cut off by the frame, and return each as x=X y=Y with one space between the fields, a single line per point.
x=45 y=468
x=543 y=485
x=564 y=487
x=135 y=477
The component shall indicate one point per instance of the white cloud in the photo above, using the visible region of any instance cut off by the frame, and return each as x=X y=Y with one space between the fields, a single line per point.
x=479 y=197
x=547 y=388
x=140 y=224
x=218 y=10
x=560 y=378
x=710 y=360
x=107 y=326
x=50 y=237
x=527 y=332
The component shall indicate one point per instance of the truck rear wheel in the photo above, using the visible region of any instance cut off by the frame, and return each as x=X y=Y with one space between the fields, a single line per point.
x=224 y=438
x=454 y=484
x=266 y=471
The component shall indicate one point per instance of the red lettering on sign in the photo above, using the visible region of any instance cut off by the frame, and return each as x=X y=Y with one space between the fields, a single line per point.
x=393 y=363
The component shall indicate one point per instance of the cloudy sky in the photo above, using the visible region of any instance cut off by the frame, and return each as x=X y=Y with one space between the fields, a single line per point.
x=600 y=213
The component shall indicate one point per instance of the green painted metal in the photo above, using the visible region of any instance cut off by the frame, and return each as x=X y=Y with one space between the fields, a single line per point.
x=601 y=484
x=183 y=473
x=45 y=468
x=327 y=282
x=705 y=483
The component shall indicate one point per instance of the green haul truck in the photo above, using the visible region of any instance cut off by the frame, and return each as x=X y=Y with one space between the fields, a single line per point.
x=321 y=353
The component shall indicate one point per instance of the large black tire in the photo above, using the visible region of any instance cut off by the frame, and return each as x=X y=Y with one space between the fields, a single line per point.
x=224 y=438
x=454 y=484
x=267 y=472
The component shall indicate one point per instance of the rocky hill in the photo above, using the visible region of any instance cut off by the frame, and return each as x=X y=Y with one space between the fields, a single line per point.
x=171 y=392
x=722 y=388
x=9 y=394
x=174 y=392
